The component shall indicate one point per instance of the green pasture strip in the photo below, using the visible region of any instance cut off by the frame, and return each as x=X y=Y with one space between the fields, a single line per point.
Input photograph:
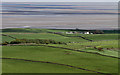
x=97 y=37
x=57 y=30
x=18 y=66
x=29 y=30
x=79 y=59
x=105 y=52
x=6 y=38
x=0 y=39
x=47 y=36
x=21 y=30
x=104 y=44
x=94 y=37
x=89 y=47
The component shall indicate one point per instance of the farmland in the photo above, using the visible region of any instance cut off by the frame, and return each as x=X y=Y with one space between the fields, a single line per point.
x=68 y=53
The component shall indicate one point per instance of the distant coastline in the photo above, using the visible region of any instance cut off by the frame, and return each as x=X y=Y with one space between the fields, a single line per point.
x=60 y=28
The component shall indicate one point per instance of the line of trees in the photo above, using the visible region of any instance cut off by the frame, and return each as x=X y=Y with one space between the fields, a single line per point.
x=36 y=41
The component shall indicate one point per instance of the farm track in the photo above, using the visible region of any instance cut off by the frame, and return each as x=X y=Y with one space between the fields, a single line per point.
x=56 y=64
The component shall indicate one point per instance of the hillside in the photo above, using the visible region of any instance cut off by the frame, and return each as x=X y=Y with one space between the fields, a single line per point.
x=60 y=53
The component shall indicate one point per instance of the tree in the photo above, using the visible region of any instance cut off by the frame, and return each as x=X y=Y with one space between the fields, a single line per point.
x=99 y=32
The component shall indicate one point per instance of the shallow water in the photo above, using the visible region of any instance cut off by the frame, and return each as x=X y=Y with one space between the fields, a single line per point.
x=60 y=15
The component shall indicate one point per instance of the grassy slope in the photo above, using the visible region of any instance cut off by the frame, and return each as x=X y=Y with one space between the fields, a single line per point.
x=47 y=36
x=23 y=30
x=17 y=66
x=101 y=40
x=112 y=44
x=5 y=38
x=79 y=59
x=97 y=37
x=84 y=60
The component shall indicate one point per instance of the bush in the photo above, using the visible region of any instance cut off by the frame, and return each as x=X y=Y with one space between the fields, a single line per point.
x=99 y=48
x=37 y=41
x=15 y=42
x=5 y=43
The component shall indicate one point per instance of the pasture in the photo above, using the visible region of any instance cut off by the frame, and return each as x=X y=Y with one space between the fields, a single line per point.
x=79 y=59
x=47 y=36
x=78 y=55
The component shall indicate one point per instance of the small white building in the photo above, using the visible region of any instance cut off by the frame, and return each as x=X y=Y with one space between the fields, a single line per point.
x=91 y=33
x=69 y=32
x=87 y=33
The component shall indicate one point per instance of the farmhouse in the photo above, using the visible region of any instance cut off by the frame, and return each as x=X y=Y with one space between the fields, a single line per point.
x=78 y=32
x=69 y=32
x=87 y=33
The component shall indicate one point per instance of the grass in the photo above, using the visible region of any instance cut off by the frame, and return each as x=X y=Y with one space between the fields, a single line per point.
x=103 y=44
x=47 y=36
x=98 y=37
x=57 y=55
x=89 y=47
x=79 y=59
x=5 y=38
x=17 y=66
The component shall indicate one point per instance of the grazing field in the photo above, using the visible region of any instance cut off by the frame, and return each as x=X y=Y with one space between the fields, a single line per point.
x=47 y=36
x=110 y=47
x=98 y=37
x=5 y=38
x=79 y=59
x=17 y=66
x=76 y=55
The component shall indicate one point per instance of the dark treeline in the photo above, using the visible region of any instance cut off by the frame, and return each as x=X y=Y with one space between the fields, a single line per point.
x=97 y=31
x=36 y=41
x=31 y=30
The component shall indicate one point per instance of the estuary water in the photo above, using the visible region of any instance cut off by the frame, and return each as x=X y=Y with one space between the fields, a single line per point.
x=60 y=15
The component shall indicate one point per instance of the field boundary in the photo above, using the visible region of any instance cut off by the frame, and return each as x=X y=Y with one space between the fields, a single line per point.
x=56 y=64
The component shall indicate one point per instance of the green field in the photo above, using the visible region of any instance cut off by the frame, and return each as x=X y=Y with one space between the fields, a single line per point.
x=78 y=59
x=77 y=52
x=5 y=38
x=47 y=36
x=97 y=37
x=33 y=67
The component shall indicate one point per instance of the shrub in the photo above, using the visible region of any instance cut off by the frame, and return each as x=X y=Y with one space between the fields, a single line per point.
x=37 y=41
x=5 y=43
x=15 y=42
x=100 y=49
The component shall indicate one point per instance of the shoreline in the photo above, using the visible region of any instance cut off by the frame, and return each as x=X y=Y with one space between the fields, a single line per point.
x=59 y=28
